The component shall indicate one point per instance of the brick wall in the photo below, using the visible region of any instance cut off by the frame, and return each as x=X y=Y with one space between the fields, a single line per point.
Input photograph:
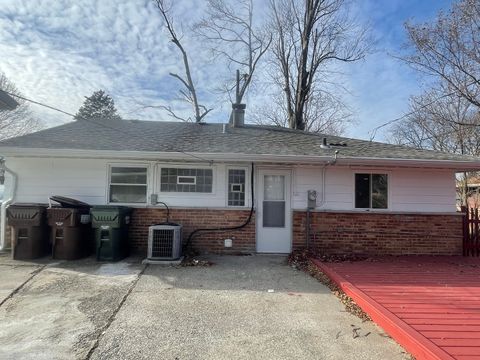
x=191 y=219
x=380 y=234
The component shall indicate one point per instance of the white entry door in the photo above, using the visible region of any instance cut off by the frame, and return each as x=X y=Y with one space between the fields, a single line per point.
x=274 y=232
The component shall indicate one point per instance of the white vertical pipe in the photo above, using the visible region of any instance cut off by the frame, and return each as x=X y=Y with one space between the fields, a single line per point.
x=5 y=203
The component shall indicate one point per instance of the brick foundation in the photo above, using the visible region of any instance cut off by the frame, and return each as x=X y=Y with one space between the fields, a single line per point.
x=191 y=219
x=331 y=232
x=379 y=233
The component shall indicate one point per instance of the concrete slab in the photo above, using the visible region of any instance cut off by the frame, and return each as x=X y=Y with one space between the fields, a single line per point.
x=228 y=311
x=13 y=274
x=12 y=278
x=60 y=313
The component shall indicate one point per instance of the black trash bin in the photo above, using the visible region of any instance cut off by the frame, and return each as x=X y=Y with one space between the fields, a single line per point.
x=30 y=230
x=71 y=232
x=111 y=225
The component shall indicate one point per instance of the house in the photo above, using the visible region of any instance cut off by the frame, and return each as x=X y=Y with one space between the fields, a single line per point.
x=371 y=198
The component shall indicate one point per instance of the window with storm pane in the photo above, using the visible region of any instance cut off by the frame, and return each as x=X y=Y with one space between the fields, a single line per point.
x=236 y=187
x=186 y=180
x=128 y=185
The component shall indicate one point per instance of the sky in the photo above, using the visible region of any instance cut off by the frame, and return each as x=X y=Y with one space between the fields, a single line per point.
x=59 y=51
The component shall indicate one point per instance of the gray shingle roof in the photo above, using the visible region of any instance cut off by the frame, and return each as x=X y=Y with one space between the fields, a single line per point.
x=161 y=136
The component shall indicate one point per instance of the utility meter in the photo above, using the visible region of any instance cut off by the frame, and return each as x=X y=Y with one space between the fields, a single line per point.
x=312 y=199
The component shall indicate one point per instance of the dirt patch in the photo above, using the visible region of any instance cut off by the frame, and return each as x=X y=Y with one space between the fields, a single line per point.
x=301 y=259
x=191 y=258
x=195 y=262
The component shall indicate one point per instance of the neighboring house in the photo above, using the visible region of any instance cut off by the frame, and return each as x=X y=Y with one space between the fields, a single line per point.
x=372 y=198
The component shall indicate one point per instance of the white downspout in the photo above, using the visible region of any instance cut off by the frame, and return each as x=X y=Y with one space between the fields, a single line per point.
x=324 y=170
x=5 y=203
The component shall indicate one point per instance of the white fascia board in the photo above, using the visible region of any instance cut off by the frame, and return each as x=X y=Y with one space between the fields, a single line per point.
x=462 y=165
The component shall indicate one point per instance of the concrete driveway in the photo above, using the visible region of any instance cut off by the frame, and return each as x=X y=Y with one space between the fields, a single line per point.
x=89 y=310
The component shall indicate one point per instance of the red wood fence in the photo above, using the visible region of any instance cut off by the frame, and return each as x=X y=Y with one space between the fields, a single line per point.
x=471 y=232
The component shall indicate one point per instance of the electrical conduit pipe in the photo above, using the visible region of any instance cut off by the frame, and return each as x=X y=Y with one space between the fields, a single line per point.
x=322 y=200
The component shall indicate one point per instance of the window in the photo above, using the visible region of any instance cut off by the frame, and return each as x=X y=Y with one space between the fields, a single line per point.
x=186 y=180
x=128 y=185
x=274 y=201
x=371 y=191
x=236 y=187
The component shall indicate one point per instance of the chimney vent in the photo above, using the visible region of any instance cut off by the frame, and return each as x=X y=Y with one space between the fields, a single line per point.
x=324 y=144
x=238 y=115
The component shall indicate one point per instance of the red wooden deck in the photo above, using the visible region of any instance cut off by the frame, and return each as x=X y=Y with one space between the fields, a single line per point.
x=429 y=305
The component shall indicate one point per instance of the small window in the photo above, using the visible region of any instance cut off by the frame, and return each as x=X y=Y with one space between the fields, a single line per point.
x=189 y=180
x=371 y=191
x=128 y=185
x=186 y=180
x=236 y=187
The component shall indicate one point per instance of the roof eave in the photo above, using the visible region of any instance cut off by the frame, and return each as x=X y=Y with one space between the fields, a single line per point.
x=461 y=165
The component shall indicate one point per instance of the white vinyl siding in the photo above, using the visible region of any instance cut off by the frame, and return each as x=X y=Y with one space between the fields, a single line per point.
x=38 y=179
x=416 y=190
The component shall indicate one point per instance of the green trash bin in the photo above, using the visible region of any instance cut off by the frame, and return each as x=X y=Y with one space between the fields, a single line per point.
x=111 y=231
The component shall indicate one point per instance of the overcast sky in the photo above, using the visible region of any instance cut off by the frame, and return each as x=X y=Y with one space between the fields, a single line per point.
x=58 y=51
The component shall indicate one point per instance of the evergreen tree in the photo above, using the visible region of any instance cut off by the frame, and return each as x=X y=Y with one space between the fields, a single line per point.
x=98 y=106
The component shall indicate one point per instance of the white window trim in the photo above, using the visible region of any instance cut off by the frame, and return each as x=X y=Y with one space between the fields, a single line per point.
x=389 y=189
x=158 y=182
x=127 y=165
x=247 y=186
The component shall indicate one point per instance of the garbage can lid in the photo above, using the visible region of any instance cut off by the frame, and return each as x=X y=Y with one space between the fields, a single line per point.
x=69 y=203
x=29 y=205
x=111 y=207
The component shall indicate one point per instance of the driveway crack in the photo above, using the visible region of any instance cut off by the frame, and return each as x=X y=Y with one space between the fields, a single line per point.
x=110 y=320
x=22 y=285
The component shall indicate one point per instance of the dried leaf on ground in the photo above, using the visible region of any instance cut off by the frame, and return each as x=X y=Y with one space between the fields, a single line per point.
x=301 y=259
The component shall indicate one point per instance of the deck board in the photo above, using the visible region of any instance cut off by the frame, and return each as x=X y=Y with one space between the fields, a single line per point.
x=430 y=305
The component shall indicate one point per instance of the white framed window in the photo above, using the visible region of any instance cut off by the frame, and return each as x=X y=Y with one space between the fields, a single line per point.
x=371 y=190
x=236 y=188
x=127 y=184
x=186 y=180
x=236 y=181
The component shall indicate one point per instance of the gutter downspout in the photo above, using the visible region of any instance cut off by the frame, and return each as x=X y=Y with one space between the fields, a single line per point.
x=322 y=200
x=5 y=204
x=324 y=171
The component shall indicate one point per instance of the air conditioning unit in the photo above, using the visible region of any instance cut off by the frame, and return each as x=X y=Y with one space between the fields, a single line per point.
x=164 y=242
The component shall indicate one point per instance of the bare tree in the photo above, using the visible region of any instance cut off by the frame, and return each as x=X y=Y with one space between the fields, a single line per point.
x=19 y=121
x=189 y=92
x=310 y=37
x=440 y=122
x=449 y=49
x=443 y=122
x=231 y=34
x=323 y=114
